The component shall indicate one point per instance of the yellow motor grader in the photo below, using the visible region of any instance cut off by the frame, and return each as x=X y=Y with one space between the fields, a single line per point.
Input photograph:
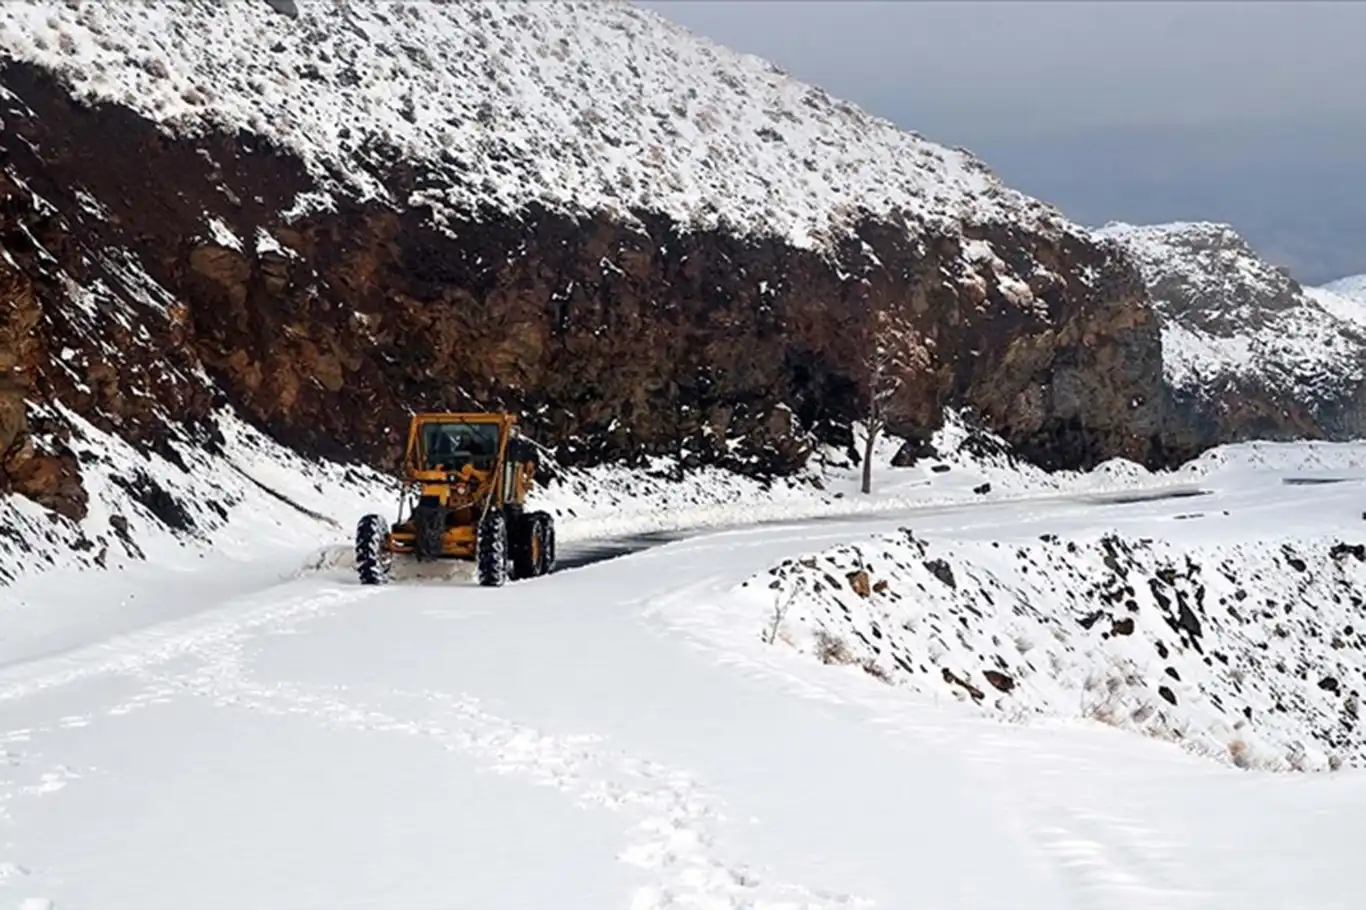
x=465 y=482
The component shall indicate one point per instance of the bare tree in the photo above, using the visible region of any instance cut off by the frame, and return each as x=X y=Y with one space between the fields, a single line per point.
x=895 y=352
x=781 y=604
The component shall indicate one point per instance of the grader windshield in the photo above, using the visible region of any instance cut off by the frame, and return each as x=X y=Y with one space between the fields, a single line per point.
x=450 y=445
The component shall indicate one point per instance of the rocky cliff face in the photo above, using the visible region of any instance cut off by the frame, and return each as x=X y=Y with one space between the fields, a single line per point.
x=325 y=216
x=1247 y=352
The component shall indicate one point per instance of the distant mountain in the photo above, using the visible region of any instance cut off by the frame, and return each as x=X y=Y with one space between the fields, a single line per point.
x=1353 y=286
x=1247 y=352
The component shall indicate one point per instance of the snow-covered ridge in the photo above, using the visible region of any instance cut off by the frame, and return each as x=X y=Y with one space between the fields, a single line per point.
x=1227 y=313
x=1224 y=283
x=581 y=107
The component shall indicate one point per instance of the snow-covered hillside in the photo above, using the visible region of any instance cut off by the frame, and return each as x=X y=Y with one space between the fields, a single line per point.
x=1247 y=353
x=580 y=107
x=1234 y=626
x=627 y=211
x=1230 y=315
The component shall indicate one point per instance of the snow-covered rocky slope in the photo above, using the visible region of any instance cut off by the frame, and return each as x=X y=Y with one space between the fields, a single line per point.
x=1247 y=352
x=579 y=107
x=1234 y=626
x=651 y=246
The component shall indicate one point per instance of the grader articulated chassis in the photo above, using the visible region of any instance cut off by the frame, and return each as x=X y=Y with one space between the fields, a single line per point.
x=465 y=482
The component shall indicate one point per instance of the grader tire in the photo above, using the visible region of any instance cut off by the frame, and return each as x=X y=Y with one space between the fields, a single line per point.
x=491 y=551
x=548 y=548
x=373 y=560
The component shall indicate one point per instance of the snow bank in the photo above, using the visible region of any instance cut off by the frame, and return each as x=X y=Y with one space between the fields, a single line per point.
x=583 y=107
x=1250 y=651
x=1230 y=465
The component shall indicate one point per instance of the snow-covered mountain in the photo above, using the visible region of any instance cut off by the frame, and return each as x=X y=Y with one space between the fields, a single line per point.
x=316 y=217
x=239 y=242
x=1246 y=351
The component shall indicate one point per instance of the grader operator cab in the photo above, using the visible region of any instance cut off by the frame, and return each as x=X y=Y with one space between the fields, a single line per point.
x=465 y=482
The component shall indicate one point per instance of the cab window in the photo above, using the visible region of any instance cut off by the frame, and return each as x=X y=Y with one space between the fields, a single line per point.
x=451 y=446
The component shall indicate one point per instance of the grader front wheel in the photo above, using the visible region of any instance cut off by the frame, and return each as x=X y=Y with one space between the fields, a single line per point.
x=373 y=559
x=491 y=551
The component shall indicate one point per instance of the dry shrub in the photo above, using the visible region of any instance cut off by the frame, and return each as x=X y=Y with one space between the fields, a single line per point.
x=830 y=649
x=875 y=670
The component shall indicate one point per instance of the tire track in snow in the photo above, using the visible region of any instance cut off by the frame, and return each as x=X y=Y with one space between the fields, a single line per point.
x=22 y=775
x=1107 y=862
x=1116 y=864
x=127 y=654
x=674 y=837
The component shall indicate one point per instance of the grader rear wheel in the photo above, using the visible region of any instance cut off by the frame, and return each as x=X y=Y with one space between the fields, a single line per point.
x=534 y=553
x=547 y=522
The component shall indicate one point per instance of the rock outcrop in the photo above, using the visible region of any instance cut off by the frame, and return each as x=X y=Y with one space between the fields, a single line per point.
x=1247 y=352
x=326 y=217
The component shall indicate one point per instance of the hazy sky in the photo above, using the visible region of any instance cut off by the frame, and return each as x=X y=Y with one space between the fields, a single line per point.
x=1248 y=112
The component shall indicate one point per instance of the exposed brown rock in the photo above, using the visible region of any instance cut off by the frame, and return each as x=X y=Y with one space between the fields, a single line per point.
x=954 y=679
x=19 y=317
x=52 y=480
x=1000 y=680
